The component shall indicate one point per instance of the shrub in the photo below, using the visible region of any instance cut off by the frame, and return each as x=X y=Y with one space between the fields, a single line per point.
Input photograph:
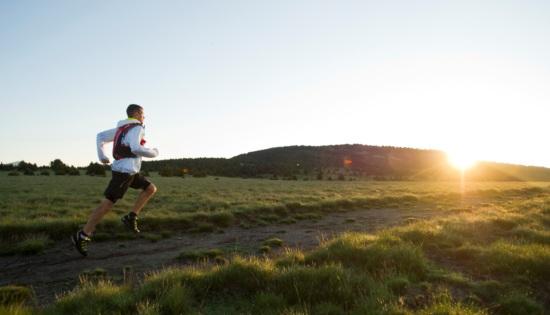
x=57 y=164
x=45 y=173
x=24 y=166
x=28 y=172
x=73 y=171
x=60 y=172
x=95 y=169
x=13 y=173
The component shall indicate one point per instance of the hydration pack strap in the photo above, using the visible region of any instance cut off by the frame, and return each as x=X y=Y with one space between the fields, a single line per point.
x=121 y=151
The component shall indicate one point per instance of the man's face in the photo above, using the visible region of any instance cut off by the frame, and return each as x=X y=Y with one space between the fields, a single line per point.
x=139 y=115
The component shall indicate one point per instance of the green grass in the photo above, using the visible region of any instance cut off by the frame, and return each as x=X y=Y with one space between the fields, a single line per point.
x=26 y=245
x=55 y=206
x=467 y=263
x=15 y=295
x=491 y=255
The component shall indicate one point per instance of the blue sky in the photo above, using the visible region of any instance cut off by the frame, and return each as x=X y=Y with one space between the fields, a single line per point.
x=220 y=78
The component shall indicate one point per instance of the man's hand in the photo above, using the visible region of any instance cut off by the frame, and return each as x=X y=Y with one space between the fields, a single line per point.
x=105 y=161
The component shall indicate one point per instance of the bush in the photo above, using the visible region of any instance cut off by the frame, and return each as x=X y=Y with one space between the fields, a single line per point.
x=45 y=173
x=60 y=172
x=73 y=171
x=28 y=172
x=95 y=169
x=13 y=173
x=23 y=166
x=58 y=165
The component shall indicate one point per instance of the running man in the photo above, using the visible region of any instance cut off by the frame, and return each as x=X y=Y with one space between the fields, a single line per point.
x=128 y=149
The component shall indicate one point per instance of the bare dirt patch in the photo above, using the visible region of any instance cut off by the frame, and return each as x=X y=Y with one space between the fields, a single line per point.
x=57 y=270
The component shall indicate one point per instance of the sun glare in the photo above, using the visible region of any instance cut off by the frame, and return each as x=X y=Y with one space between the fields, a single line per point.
x=461 y=160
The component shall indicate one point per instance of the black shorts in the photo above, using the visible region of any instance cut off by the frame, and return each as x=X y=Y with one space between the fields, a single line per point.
x=121 y=181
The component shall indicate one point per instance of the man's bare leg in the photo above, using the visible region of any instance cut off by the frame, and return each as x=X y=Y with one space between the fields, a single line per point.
x=96 y=216
x=143 y=197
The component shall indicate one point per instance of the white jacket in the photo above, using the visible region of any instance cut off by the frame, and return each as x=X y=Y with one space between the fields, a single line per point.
x=133 y=140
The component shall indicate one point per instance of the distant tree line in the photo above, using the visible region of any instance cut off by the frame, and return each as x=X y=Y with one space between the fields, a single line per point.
x=336 y=162
x=56 y=166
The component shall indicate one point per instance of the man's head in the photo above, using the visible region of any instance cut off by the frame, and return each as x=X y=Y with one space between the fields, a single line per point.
x=135 y=111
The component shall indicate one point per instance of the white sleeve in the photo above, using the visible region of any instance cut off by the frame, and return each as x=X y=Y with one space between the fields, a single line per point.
x=134 y=137
x=103 y=138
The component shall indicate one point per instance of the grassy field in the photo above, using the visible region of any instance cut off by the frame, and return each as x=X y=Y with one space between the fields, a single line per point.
x=489 y=255
x=37 y=210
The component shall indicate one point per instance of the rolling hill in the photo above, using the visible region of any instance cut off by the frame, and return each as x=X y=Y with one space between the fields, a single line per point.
x=344 y=162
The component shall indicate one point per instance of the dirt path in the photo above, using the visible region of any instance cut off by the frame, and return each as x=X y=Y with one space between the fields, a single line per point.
x=57 y=269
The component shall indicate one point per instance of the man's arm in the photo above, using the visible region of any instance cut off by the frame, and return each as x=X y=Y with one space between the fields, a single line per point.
x=134 y=141
x=103 y=138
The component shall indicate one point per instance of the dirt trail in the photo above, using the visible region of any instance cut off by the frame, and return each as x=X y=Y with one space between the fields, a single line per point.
x=57 y=269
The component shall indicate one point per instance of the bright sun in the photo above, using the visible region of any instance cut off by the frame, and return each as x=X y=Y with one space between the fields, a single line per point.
x=462 y=160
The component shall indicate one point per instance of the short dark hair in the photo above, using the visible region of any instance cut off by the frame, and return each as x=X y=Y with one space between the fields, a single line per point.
x=132 y=109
